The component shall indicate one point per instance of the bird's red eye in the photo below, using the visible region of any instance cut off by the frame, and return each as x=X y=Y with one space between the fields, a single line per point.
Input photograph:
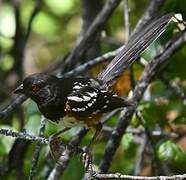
x=35 y=87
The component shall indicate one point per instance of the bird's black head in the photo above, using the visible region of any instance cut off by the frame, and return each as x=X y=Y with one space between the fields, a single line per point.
x=40 y=87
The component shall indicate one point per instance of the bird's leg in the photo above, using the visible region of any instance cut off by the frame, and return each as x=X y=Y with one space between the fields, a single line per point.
x=86 y=156
x=54 y=143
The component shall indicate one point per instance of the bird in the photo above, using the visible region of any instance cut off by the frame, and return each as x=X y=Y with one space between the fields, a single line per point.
x=78 y=99
x=83 y=100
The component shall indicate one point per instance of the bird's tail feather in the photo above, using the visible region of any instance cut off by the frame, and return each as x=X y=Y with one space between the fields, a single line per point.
x=135 y=46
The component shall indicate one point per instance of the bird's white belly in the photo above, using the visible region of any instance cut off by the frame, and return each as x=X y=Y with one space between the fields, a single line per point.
x=70 y=122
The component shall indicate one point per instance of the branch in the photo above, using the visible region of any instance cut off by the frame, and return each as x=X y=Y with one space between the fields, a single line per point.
x=96 y=25
x=156 y=163
x=90 y=10
x=32 y=16
x=128 y=177
x=23 y=135
x=12 y=106
x=103 y=58
x=140 y=155
x=126 y=17
x=37 y=149
x=151 y=12
x=127 y=34
x=21 y=38
x=149 y=72
x=139 y=131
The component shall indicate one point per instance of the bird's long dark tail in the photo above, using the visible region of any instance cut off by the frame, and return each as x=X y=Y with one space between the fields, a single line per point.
x=132 y=50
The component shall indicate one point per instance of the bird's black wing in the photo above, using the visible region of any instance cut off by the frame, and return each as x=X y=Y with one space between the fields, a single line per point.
x=136 y=45
x=90 y=100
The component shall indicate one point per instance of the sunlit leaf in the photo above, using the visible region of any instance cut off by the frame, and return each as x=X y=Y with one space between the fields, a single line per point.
x=6 y=43
x=44 y=24
x=7 y=21
x=127 y=140
x=7 y=62
x=168 y=151
x=76 y=167
x=33 y=124
x=60 y=7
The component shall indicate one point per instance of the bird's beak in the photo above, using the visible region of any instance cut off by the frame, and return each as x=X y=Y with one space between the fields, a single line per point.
x=19 y=90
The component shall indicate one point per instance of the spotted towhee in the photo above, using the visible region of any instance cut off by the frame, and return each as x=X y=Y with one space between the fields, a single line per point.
x=83 y=100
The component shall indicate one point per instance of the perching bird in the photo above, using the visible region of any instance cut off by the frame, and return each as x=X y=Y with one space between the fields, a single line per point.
x=83 y=100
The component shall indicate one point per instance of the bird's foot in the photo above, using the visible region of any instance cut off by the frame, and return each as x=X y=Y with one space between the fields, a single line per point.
x=55 y=144
x=86 y=158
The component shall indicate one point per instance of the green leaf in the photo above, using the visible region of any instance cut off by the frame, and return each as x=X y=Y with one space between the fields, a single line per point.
x=127 y=140
x=33 y=124
x=170 y=152
x=45 y=24
x=155 y=114
x=7 y=21
x=74 y=166
x=31 y=109
x=60 y=7
x=7 y=62
x=176 y=67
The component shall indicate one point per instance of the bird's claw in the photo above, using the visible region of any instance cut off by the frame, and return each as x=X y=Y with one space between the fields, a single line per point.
x=86 y=158
x=55 y=147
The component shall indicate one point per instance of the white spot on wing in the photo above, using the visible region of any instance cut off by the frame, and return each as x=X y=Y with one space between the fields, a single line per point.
x=89 y=104
x=86 y=98
x=105 y=106
x=75 y=98
x=77 y=87
x=80 y=109
x=103 y=91
x=95 y=112
x=93 y=94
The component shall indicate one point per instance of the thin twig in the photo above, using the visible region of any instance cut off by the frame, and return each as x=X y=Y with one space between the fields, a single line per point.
x=128 y=177
x=12 y=106
x=91 y=63
x=126 y=17
x=140 y=131
x=23 y=135
x=151 y=12
x=35 y=11
x=140 y=155
x=155 y=161
x=127 y=34
x=37 y=149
